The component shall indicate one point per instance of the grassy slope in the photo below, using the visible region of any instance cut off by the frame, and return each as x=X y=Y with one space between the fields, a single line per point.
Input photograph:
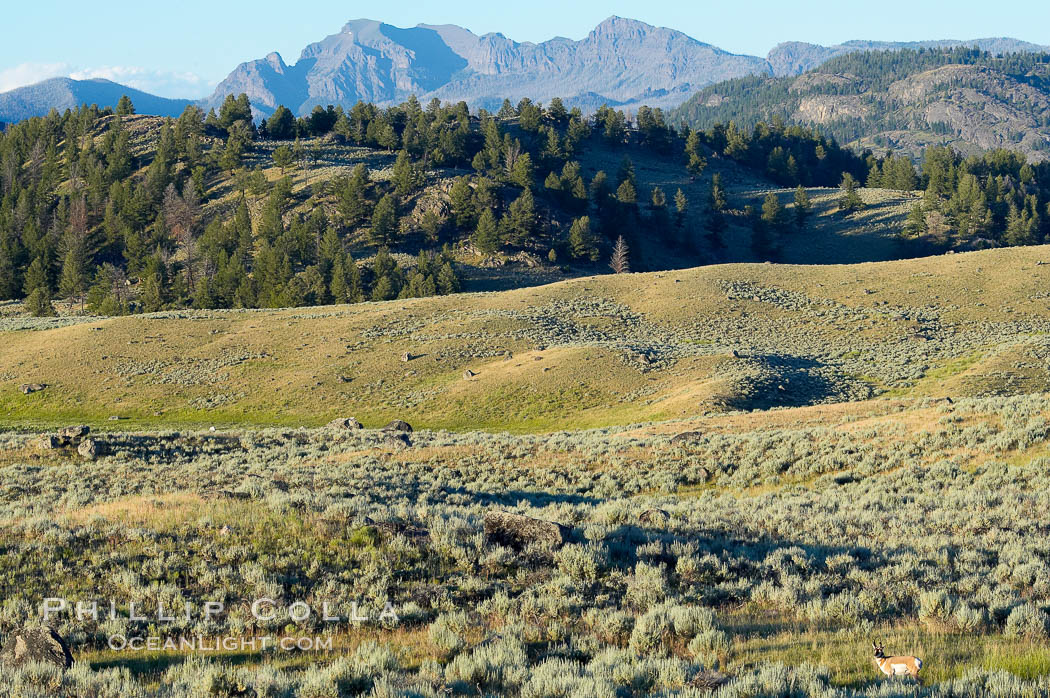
x=561 y=356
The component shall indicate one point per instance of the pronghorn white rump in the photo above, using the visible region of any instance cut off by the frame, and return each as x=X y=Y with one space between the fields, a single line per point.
x=896 y=666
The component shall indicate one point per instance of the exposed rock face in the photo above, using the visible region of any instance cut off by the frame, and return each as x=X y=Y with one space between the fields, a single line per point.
x=621 y=62
x=518 y=531
x=35 y=645
x=398 y=425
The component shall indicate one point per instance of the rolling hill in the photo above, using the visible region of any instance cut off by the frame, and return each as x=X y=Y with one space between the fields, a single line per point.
x=586 y=352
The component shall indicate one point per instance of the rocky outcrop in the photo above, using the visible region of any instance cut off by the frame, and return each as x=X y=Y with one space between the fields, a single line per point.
x=519 y=531
x=35 y=645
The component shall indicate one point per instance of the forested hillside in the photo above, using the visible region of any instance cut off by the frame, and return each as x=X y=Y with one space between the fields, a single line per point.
x=904 y=100
x=114 y=212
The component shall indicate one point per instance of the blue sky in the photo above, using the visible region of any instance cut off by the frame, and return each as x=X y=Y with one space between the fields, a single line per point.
x=184 y=48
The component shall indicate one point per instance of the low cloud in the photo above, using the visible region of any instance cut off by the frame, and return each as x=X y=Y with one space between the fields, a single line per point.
x=28 y=73
x=159 y=82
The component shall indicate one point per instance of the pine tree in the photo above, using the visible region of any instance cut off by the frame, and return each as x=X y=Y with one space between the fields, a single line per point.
x=695 y=161
x=582 y=242
x=124 y=106
x=447 y=281
x=915 y=224
x=850 y=200
x=36 y=277
x=281 y=124
x=405 y=175
x=461 y=201
x=384 y=221
x=73 y=282
x=802 y=207
x=522 y=173
x=521 y=218
x=772 y=212
x=8 y=279
x=38 y=304
x=283 y=157
x=681 y=205
x=352 y=197
x=486 y=237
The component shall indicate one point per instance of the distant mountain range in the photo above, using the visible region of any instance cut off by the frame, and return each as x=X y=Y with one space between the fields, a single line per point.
x=796 y=57
x=622 y=62
x=905 y=101
x=66 y=93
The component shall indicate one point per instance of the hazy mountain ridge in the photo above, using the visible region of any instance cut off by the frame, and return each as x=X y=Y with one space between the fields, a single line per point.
x=621 y=62
x=903 y=102
x=796 y=57
x=65 y=93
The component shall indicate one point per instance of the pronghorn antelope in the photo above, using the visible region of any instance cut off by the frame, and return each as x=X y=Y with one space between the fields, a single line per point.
x=896 y=666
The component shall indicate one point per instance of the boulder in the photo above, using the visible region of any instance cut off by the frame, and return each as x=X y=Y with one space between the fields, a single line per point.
x=28 y=388
x=654 y=517
x=40 y=644
x=91 y=449
x=75 y=432
x=518 y=531
x=397 y=441
x=345 y=423
x=686 y=437
x=398 y=425
x=407 y=356
x=50 y=441
x=468 y=374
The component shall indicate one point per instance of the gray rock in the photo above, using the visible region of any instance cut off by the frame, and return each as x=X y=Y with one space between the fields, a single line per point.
x=29 y=388
x=91 y=449
x=518 y=531
x=50 y=441
x=345 y=423
x=654 y=517
x=75 y=432
x=397 y=441
x=398 y=425
x=39 y=644
x=468 y=374
x=686 y=437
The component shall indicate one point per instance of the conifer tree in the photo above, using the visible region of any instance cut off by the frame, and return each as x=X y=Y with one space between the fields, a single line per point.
x=802 y=207
x=849 y=201
x=384 y=220
x=486 y=236
x=582 y=242
x=124 y=106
